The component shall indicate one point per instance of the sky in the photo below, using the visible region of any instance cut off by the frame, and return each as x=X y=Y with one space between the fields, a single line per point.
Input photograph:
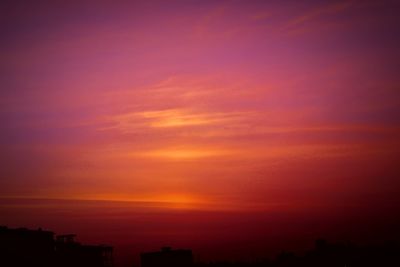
x=192 y=108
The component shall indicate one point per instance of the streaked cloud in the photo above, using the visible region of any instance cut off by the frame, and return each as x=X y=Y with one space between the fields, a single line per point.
x=172 y=118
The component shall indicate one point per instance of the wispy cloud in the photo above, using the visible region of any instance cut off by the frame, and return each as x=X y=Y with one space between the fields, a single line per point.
x=171 y=118
x=299 y=24
x=261 y=15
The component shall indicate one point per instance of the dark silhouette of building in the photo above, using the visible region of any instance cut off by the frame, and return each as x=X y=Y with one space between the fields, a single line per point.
x=327 y=254
x=167 y=257
x=38 y=248
x=23 y=247
x=71 y=253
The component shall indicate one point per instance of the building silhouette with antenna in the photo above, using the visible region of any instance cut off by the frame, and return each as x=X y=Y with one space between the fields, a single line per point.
x=39 y=248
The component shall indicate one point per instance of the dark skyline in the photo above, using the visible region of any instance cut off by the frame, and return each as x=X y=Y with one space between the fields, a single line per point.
x=42 y=248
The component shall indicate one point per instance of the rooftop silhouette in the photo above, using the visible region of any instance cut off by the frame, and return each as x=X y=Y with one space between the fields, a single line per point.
x=40 y=248
x=167 y=257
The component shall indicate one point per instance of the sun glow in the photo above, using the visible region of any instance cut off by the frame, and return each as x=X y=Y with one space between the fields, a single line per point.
x=184 y=154
x=178 y=118
x=175 y=118
x=167 y=201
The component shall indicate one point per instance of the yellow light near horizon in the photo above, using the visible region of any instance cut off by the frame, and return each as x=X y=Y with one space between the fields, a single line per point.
x=183 y=153
x=176 y=118
x=171 y=118
x=169 y=201
x=179 y=121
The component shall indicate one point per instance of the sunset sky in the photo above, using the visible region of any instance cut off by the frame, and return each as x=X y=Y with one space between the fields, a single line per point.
x=192 y=107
